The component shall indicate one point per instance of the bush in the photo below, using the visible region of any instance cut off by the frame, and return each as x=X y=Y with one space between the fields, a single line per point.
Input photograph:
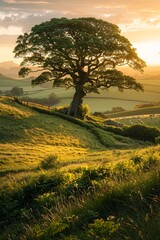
x=117 y=109
x=62 y=109
x=15 y=91
x=146 y=105
x=142 y=132
x=102 y=230
x=157 y=140
x=115 y=130
x=50 y=162
x=84 y=110
x=13 y=202
x=46 y=200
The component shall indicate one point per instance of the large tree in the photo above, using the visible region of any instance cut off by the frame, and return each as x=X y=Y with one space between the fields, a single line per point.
x=80 y=53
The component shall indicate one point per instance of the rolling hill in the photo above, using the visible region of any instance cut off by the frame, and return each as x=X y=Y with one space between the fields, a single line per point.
x=102 y=102
x=9 y=69
x=23 y=129
x=68 y=179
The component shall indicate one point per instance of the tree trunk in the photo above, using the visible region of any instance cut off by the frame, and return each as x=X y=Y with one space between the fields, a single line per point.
x=75 y=108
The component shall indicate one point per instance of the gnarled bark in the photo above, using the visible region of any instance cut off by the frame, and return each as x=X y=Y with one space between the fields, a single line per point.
x=76 y=104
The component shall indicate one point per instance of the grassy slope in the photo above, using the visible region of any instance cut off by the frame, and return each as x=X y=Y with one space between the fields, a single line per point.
x=11 y=82
x=28 y=137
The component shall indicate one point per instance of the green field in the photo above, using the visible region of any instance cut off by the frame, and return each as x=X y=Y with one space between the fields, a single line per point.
x=68 y=179
x=102 y=102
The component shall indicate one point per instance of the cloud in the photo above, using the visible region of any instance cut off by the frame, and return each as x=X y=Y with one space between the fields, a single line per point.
x=82 y=7
x=129 y=15
x=139 y=20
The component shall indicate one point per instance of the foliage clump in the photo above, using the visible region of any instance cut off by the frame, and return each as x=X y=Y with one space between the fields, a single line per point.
x=15 y=91
x=157 y=140
x=146 y=105
x=83 y=112
x=50 y=162
x=142 y=132
x=103 y=230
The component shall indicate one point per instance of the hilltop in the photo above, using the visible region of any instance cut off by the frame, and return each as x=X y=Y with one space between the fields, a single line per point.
x=6 y=77
x=9 y=69
x=8 y=65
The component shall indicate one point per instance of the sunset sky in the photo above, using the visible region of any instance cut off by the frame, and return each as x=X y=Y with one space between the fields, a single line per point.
x=139 y=21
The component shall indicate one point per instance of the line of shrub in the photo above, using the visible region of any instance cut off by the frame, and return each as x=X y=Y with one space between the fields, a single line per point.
x=137 y=131
x=142 y=132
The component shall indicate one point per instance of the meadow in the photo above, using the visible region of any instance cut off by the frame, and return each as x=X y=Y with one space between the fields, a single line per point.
x=67 y=179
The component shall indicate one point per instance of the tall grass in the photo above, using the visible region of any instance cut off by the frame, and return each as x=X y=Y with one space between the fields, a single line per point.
x=68 y=201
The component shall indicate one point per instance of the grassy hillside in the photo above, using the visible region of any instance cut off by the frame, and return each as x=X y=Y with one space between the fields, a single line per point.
x=67 y=179
x=28 y=135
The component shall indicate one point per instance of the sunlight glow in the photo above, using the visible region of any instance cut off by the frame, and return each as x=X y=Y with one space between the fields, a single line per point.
x=8 y=55
x=149 y=52
x=11 y=30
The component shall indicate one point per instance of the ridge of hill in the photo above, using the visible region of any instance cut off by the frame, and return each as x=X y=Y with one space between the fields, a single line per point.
x=8 y=64
x=11 y=69
x=2 y=76
x=6 y=77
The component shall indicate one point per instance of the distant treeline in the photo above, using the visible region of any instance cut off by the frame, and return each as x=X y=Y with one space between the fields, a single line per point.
x=19 y=92
x=51 y=100
x=146 y=105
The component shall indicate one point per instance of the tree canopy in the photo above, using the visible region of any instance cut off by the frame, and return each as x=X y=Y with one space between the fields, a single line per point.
x=81 y=53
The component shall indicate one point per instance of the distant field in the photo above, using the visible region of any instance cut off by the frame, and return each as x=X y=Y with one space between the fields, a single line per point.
x=105 y=101
x=149 y=116
x=143 y=111
x=153 y=121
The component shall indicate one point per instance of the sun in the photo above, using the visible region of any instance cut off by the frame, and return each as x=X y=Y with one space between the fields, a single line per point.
x=149 y=52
